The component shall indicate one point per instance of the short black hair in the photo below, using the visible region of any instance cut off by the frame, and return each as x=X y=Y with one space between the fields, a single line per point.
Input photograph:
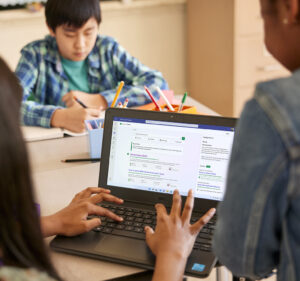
x=73 y=13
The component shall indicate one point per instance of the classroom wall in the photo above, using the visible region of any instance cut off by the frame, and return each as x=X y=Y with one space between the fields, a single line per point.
x=151 y=30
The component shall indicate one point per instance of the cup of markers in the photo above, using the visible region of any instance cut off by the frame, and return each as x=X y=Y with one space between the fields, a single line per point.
x=95 y=133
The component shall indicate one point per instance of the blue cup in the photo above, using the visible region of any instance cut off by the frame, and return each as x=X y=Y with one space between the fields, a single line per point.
x=95 y=133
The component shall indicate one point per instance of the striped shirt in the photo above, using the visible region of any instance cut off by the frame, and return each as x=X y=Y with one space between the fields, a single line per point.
x=44 y=82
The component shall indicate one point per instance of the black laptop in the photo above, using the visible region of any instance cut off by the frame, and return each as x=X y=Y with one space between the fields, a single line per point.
x=145 y=156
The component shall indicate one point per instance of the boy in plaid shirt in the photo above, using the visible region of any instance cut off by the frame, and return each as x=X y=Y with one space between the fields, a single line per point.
x=74 y=61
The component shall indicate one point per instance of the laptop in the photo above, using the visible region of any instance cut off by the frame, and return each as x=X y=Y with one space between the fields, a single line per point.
x=145 y=156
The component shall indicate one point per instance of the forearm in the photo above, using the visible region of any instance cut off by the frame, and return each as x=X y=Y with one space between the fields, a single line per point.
x=169 y=268
x=35 y=114
x=49 y=225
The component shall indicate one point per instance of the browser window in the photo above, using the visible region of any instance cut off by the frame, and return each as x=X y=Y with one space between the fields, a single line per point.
x=162 y=156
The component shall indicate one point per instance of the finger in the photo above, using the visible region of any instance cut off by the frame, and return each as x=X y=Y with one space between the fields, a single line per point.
x=188 y=208
x=197 y=226
x=149 y=232
x=93 y=190
x=176 y=206
x=97 y=210
x=161 y=211
x=93 y=112
x=105 y=197
x=92 y=223
x=86 y=193
x=65 y=97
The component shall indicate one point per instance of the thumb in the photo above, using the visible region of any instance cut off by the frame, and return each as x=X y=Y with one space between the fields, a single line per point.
x=92 y=223
x=93 y=112
x=149 y=232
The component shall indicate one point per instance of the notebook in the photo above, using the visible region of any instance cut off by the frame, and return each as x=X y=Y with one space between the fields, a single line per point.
x=145 y=156
x=32 y=133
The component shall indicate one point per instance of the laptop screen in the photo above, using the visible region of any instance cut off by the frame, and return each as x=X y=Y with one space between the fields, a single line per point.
x=160 y=156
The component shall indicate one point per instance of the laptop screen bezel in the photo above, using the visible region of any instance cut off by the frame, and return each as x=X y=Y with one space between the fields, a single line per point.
x=147 y=197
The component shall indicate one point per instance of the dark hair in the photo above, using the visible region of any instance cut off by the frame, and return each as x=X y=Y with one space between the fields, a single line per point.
x=21 y=241
x=71 y=12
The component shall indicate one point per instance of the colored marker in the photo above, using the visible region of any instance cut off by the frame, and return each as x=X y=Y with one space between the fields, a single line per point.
x=182 y=101
x=125 y=103
x=89 y=126
x=165 y=99
x=152 y=98
x=117 y=93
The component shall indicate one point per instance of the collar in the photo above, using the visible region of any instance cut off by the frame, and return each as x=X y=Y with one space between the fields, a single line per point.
x=52 y=54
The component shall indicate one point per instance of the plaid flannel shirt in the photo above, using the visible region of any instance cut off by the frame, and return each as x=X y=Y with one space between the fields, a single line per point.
x=45 y=83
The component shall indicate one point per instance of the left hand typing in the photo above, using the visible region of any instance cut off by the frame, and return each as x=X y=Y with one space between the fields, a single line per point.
x=72 y=220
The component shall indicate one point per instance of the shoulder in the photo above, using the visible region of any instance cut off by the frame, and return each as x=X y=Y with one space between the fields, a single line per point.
x=280 y=99
x=41 y=46
x=105 y=44
x=284 y=91
x=8 y=273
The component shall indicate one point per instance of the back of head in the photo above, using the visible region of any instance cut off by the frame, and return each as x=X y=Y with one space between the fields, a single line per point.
x=71 y=12
x=21 y=242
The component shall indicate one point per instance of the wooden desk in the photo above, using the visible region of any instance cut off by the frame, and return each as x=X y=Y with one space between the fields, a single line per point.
x=55 y=185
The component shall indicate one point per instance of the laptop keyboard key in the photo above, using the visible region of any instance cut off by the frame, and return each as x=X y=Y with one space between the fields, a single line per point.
x=204 y=236
x=98 y=229
x=107 y=230
x=120 y=226
x=130 y=228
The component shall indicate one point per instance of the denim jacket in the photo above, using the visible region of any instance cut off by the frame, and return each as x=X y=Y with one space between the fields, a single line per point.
x=258 y=227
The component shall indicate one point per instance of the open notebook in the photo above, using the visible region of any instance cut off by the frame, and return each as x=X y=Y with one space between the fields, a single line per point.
x=31 y=133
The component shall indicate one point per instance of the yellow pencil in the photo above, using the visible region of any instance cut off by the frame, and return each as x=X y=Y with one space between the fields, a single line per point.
x=117 y=93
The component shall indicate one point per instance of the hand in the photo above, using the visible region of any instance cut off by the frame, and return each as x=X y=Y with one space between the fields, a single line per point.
x=72 y=220
x=174 y=237
x=73 y=118
x=96 y=101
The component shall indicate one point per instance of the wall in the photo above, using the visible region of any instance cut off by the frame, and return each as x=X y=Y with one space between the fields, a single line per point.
x=151 y=30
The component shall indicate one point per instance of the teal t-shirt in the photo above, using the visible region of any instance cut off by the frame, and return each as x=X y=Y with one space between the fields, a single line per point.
x=77 y=73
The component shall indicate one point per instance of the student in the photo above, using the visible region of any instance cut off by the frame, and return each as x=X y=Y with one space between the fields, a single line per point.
x=75 y=61
x=258 y=227
x=22 y=250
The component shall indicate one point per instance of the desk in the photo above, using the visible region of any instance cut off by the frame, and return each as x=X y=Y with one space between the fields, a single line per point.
x=55 y=185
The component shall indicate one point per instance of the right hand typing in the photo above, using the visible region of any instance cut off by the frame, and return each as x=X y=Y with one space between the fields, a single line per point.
x=73 y=118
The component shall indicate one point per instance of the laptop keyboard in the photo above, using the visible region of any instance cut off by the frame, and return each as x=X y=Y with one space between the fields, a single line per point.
x=136 y=219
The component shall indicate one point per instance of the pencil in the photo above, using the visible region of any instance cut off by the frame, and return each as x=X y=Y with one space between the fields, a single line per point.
x=152 y=98
x=117 y=93
x=81 y=160
x=80 y=102
x=165 y=99
x=182 y=101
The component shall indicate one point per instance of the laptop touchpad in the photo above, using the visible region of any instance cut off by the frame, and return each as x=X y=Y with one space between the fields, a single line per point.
x=125 y=249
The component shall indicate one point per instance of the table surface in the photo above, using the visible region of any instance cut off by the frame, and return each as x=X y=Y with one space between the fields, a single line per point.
x=55 y=185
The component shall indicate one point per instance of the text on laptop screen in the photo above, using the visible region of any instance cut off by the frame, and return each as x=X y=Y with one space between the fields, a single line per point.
x=162 y=156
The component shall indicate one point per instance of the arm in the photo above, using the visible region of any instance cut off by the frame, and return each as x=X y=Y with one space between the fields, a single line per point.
x=174 y=237
x=247 y=237
x=34 y=112
x=135 y=75
x=73 y=219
